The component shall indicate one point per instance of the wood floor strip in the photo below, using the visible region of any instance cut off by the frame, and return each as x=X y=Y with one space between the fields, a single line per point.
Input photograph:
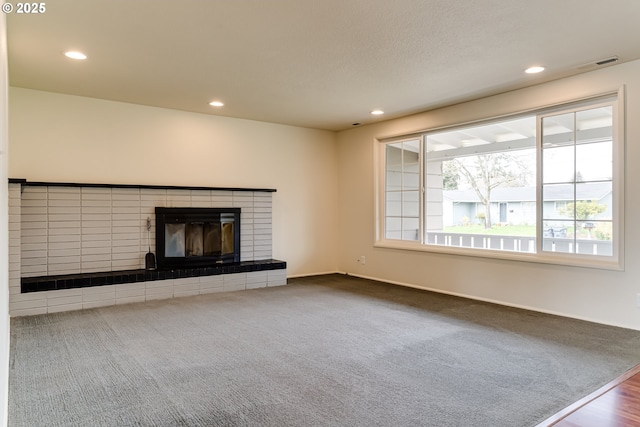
x=614 y=404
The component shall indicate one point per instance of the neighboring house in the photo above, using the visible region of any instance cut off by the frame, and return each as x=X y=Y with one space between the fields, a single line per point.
x=516 y=205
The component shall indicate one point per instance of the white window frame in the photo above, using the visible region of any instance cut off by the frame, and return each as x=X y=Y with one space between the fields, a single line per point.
x=614 y=262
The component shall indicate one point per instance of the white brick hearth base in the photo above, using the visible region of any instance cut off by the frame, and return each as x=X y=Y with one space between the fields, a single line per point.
x=101 y=296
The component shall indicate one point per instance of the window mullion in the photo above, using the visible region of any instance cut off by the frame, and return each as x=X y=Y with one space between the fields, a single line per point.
x=575 y=183
x=539 y=184
x=421 y=193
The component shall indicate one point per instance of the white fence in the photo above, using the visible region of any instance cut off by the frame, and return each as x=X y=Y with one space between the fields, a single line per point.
x=521 y=243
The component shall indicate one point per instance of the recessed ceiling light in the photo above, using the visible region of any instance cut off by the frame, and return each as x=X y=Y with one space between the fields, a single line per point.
x=534 y=70
x=216 y=103
x=75 y=55
x=377 y=112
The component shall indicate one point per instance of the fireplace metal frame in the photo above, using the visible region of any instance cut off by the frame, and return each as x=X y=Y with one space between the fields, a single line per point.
x=194 y=215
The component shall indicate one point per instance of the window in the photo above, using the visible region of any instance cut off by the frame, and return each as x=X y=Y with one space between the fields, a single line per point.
x=402 y=192
x=577 y=175
x=543 y=186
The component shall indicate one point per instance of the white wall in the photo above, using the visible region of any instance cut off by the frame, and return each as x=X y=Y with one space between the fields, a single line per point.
x=599 y=295
x=4 y=241
x=55 y=137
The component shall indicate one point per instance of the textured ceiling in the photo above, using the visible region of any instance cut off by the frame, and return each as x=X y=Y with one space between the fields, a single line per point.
x=315 y=63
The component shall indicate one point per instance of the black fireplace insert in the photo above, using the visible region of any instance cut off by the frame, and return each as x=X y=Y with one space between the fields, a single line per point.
x=197 y=237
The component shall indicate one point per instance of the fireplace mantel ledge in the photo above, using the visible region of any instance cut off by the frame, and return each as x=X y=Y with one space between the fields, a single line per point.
x=25 y=182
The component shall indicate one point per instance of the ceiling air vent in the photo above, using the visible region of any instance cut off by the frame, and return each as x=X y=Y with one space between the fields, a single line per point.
x=599 y=63
x=607 y=60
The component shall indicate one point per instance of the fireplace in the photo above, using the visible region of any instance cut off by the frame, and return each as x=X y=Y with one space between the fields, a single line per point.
x=197 y=237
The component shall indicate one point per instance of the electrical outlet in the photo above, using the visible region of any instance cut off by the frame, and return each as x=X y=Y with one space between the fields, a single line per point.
x=362 y=260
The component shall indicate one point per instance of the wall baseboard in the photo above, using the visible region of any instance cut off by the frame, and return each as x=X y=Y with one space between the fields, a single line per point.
x=295 y=276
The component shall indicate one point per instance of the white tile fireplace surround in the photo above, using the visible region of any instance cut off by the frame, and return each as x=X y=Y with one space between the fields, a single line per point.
x=60 y=229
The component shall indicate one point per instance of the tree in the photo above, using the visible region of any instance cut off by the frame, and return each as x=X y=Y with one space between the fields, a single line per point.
x=450 y=176
x=583 y=209
x=484 y=172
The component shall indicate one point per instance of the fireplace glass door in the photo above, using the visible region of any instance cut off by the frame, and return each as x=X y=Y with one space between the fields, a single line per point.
x=197 y=236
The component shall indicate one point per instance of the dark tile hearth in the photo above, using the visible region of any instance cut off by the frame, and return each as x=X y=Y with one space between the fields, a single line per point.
x=70 y=281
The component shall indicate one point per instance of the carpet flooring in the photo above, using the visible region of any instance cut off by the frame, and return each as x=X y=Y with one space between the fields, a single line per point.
x=322 y=351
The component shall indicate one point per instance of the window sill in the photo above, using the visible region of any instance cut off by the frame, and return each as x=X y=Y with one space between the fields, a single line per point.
x=568 y=260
